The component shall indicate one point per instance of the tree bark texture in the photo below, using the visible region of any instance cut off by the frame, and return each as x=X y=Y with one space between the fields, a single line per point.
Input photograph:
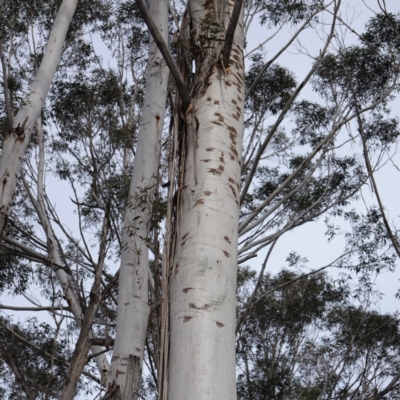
x=16 y=142
x=203 y=280
x=133 y=308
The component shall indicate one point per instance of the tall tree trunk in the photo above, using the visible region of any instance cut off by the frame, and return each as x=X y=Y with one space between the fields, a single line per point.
x=16 y=142
x=203 y=280
x=133 y=308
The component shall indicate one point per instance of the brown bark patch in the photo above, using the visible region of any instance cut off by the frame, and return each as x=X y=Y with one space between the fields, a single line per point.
x=185 y=236
x=187 y=319
x=226 y=254
x=233 y=190
x=221 y=168
x=234 y=151
x=227 y=239
x=215 y=171
x=187 y=289
x=231 y=180
x=232 y=129
x=207 y=193
x=234 y=101
x=210 y=149
x=205 y=307
x=219 y=324
x=216 y=123
x=206 y=160
x=199 y=201
x=216 y=102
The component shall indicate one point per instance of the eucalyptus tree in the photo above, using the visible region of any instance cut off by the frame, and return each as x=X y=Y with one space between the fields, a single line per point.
x=202 y=192
x=306 y=339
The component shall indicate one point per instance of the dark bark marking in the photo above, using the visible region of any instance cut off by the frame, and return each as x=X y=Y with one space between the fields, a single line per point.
x=221 y=168
x=187 y=289
x=219 y=324
x=226 y=253
x=234 y=151
x=234 y=101
x=233 y=190
x=205 y=307
x=216 y=102
x=227 y=239
x=232 y=129
x=209 y=98
x=210 y=149
x=199 y=201
x=185 y=236
x=222 y=159
x=215 y=171
x=206 y=160
x=231 y=180
x=187 y=319
x=207 y=193
x=216 y=123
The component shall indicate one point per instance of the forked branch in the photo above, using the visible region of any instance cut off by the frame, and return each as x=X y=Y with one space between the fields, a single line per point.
x=169 y=59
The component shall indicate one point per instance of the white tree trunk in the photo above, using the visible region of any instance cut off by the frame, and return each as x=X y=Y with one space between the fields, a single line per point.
x=16 y=142
x=133 y=308
x=203 y=281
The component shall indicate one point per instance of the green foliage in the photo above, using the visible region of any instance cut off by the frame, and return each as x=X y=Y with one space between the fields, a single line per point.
x=42 y=374
x=273 y=89
x=307 y=339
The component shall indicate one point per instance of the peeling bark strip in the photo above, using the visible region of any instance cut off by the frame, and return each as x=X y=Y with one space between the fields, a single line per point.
x=203 y=288
x=133 y=308
x=16 y=142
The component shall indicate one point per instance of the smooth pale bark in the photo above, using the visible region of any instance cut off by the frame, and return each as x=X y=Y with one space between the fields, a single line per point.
x=203 y=282
x=16 y=142
x=133 y=308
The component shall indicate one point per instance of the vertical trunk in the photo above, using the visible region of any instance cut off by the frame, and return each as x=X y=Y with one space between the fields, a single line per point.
x=203 y=281
x=133 y=308
x=16 y=142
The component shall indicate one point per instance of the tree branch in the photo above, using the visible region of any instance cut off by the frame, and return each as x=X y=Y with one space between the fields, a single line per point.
x=169 y=59
x=230 y=32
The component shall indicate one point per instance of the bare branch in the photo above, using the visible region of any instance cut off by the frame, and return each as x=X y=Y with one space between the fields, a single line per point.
x=169 y=59
x=230 y=32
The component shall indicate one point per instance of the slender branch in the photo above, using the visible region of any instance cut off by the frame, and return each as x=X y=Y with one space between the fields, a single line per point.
x=371 y=174
x=286 y=108
x=20 y=378
x=250 y=302
x=22 y=339
x=273 y=59
x=230 y=32
x=169 y=59
x=12 y=308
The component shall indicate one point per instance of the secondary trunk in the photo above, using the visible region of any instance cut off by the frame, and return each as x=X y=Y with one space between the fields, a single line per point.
x=203 y=280
x=133 y=308
x=16 y=142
